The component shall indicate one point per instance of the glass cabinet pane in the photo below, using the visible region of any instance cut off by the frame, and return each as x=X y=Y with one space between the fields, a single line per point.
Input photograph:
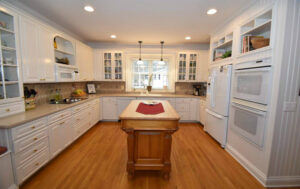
x=12 y=90
x=9 y=57
x=192 y=66
x=107 y=66
x=118 y=66
x=182 y=66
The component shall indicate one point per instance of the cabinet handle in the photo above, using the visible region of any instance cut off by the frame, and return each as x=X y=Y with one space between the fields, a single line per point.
x=7 y=110
x=35 y=138
x=37 y=164
x=42 y=79
x=35 y=150
x=62 y=123
x=33 y=127
x=62 y=115
x=78 y=119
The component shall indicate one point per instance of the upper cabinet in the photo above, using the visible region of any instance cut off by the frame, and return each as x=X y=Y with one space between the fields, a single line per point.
x=85 y=63
x=113 y=68
x=10 y=85
x=36 y=51
x=187 y=68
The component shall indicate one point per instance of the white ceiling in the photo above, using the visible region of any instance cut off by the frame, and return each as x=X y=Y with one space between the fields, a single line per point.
x=131 y=20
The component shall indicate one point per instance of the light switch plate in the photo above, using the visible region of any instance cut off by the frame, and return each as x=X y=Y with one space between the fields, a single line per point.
x=290 y=106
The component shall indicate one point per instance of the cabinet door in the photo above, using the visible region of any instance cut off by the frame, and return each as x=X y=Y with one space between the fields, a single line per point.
x=56 y=138
x=90 y=62
x=29 y=50
x=202 y=112
x=46 y=54
x=68 y=133
x=192 y=67
x=193 y=109
x=122 y=103
x=118 y=66
x=182 y=67
x=109 y=108
x=107 y=60
x=81 y=63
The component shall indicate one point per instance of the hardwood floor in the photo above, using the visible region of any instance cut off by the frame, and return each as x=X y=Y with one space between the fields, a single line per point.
x=98 y=160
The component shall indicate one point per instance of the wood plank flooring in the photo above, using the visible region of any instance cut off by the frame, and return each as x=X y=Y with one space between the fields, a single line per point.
x=98 y=161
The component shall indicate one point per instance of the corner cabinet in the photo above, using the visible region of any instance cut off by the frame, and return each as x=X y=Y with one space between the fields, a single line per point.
x=187 y=67
x=11 y=91
x=113 y=66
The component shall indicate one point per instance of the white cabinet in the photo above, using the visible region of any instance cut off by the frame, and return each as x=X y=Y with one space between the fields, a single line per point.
x=202 y=73
x=193 y=109
x=183 y=108
x=94 y=109
x=202 y=111
x=6 y=172
x=113 y=66
x=85 y=63
x=60 y=136
x=187 y=66
x=122 y=103
x=46 y=54
x=109 y=108
x=36 y=51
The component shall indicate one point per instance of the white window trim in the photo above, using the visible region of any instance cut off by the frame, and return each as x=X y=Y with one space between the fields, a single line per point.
x=171 y=71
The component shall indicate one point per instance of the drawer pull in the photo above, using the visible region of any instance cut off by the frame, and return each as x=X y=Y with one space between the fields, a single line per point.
x=62 y=123
x=78 y=119
x=37 y=164
x=7 y=110
x=35 y=150
x=62 y=115
x=33 y=127
x=35 y=138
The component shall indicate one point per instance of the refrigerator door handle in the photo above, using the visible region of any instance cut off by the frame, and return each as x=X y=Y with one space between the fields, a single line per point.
x=213 y=114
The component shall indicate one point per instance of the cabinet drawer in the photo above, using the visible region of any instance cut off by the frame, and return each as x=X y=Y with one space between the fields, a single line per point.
x=28 y=128
x=81 y=117
x=182 y=107
x=23 y=172
x=94 y=102
x=31 y=151
x=59 y=115
x=11 y=108
x=31 y=139
x=79 y=108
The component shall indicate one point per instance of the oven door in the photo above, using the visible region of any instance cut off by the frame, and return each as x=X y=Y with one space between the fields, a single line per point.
x=248 y=122
x=252 y=84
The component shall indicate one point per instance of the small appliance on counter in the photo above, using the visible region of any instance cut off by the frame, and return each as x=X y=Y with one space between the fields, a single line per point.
x=29 y=98
x=199 y=89
x=91 y=89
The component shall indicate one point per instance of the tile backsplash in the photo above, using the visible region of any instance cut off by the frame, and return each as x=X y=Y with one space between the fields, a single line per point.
x=45 y=90
x=187 y=87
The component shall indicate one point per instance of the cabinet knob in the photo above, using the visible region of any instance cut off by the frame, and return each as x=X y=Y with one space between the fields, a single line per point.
x=33 y=127
x=35 y=138
x=62 y=123
x=7 y=110
x=35 y=150
x=37 y=164
x=42 y=79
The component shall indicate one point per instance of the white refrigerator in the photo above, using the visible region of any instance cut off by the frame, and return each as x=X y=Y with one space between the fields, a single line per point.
x=218 y=98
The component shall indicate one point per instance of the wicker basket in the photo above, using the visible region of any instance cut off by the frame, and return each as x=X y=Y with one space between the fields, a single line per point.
x=259 y=42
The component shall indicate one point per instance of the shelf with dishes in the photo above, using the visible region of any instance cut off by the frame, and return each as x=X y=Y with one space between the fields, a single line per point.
x=256 y=33
x=222 y=48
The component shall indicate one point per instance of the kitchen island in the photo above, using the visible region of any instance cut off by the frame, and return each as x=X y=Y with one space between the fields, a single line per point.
x=149 y=137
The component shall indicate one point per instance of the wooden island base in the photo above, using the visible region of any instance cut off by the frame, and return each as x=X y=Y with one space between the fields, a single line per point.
x=149 y=139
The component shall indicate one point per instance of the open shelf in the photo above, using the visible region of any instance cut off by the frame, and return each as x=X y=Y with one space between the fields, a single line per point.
x=256 y=33
x=64 y=51
x=222 y=47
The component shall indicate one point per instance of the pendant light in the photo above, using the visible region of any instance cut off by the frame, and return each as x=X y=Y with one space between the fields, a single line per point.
x=140 y=59
x=161 y=62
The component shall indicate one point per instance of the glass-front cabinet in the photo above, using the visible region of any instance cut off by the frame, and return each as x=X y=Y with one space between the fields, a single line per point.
x=187 y=67
x=10 y=86
x=113 y=66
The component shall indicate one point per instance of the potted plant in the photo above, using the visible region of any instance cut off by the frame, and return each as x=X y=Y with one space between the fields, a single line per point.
x=149 y=87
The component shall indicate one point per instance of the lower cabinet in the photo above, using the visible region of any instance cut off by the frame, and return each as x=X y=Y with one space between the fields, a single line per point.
x=109 y=108
x=60 y=135
x=183 y=108
x=122 y=103
x=202 y=111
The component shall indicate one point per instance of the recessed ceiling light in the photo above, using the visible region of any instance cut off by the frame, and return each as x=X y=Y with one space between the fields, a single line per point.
x=211 y=11
x=89 y=8
x=113 y=36
x=188 y=38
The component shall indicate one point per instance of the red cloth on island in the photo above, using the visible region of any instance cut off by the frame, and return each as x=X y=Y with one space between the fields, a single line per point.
x=150 y=109
x=2 y=150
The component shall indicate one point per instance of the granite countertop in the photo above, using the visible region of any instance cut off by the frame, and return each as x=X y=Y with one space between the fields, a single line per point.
x=47 y=109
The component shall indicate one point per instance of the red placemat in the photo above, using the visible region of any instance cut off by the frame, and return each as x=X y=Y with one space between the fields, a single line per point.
x=150 y=109
x=2 y=150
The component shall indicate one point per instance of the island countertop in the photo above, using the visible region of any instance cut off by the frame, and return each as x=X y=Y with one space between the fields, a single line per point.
x=130 y=112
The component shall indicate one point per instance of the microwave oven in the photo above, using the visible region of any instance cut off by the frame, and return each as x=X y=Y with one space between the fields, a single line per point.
x=66 y=73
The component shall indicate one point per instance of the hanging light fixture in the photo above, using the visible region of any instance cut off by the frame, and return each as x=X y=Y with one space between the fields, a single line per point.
x=161 y=62
x=140 y=59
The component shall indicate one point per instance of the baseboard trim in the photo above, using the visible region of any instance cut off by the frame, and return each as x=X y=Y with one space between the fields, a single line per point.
x=283 y=181
x=254 y=171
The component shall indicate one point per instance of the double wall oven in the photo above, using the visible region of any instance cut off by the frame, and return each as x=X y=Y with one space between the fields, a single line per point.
x=251 y=88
